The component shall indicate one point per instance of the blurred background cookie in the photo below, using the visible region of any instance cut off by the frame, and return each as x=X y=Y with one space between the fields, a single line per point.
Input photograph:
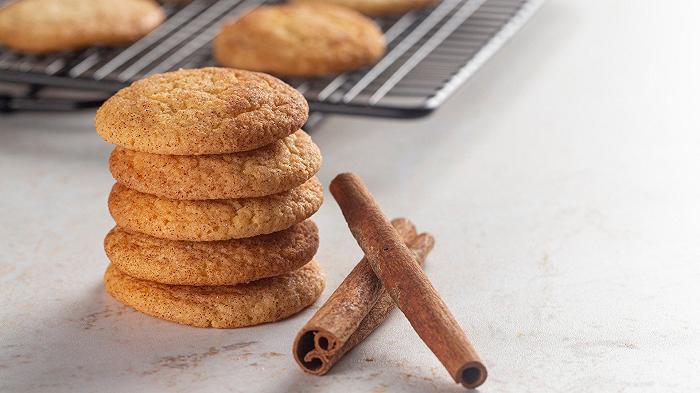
x=376 y=7
x=300 y=40
x=41 y=26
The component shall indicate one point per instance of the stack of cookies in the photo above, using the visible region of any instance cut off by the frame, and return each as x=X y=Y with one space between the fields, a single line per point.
x=215 y=185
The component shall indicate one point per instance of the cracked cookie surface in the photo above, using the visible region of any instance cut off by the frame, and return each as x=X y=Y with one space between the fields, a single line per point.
x=201 y=111
x=299 y=40
x=277 y=167
x=266 y=300
x=42 y=26
x=216 y=219
x=226 y=262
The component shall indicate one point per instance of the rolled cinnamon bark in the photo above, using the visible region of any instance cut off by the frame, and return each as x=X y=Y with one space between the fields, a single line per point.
x=353 y=311
x=406 y=283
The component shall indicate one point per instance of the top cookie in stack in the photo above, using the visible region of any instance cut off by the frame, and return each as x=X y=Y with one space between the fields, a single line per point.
x=202 y=111
x=215 y=182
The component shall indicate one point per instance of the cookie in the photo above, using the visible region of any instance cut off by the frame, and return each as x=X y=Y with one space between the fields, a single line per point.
x=226 y=306
x=42 y=26
x=299 y=40
x=226 y=262
x=277 y=167
x=376 y=7
x=216 y=219
x=201 y=111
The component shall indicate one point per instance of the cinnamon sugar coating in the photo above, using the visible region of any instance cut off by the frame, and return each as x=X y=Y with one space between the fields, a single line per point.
x=201 y=111
x=229 y=306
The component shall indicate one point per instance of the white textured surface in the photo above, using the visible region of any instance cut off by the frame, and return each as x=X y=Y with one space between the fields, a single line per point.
x=562 y=185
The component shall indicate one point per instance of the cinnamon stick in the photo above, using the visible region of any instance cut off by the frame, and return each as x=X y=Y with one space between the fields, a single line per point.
x=406 y=283
x=353 y=311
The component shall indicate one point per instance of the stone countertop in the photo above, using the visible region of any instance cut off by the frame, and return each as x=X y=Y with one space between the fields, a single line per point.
x=562 y=185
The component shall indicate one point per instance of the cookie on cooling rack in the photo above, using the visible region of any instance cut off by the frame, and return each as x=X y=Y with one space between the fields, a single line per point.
x=302 y=40
x=377 y=7
x=42 y=26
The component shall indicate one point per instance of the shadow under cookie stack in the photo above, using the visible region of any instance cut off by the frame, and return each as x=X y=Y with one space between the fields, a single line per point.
x=215 y=185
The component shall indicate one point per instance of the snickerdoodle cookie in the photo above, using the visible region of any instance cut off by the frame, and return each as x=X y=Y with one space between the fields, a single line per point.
x=299 y=40
x=40 y=26
x=215 y=219
x=226 y=262
x=229 y=306
x=376 y=7
x=201 y=111
x=279 y=166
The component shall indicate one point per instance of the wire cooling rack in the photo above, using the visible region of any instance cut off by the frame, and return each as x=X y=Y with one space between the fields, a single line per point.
x=430 y=53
